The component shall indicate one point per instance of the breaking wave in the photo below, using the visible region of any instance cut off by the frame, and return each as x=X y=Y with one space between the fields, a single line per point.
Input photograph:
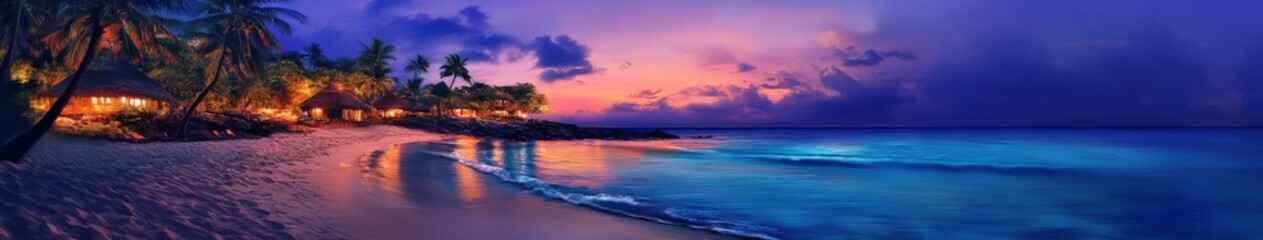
x=627 y=205
x=859 y=162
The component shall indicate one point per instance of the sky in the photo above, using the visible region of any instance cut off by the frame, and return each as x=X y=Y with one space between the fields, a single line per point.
x=835 y=63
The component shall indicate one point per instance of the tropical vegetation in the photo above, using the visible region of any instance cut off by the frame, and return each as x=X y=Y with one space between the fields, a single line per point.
x=223 y=57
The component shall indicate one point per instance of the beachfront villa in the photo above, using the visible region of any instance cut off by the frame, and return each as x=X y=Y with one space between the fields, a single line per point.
x=392 y=106
x=462 y=109
x=501 y=108
x=107 y=88
x=334 y=104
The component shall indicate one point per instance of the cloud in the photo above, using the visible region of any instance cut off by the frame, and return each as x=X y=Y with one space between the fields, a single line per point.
x=738 y=106
x=870 y=57
x=468 y=33
x=624 y=64
x=874 y=102
x=783 y=80
x=561 y=57
x=718 y=58
x=1008 y=80
x=646 y=94
x=839 y=81
x=475 y=17
x=709 y=91
x=900 y=54
x=745 y=67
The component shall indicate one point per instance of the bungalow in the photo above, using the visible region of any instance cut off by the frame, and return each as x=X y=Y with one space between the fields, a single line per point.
x=462 y=109
x=107 y=88
x=504 y=109
x=333 y=104
x=391 y=106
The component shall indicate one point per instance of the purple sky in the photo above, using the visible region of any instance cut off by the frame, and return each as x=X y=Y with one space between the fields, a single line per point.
x=837 y=63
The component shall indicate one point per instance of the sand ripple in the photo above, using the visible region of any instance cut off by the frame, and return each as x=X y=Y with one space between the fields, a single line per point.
x=251 y=189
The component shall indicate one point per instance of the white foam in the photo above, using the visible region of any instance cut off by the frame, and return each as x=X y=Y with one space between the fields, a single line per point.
x=543 y=187
x=730 y=227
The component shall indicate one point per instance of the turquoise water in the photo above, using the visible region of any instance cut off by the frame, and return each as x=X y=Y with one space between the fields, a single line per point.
x=908 y=183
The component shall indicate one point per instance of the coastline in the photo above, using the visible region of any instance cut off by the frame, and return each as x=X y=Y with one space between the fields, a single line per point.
x=305 y=186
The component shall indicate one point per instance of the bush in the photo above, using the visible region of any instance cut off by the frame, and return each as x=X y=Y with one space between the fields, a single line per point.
x=100 y=130
x=134 y=114
x=143 y=121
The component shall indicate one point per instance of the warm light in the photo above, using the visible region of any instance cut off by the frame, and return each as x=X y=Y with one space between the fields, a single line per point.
x=95 y=100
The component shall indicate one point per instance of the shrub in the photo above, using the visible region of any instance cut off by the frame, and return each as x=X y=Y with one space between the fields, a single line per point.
x=100 y=130
x=143 y=121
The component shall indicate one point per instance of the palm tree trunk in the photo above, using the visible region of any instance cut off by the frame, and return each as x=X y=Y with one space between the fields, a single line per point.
x=18 y=147
x=451 y=91
x=188 y=112
x=6 y=68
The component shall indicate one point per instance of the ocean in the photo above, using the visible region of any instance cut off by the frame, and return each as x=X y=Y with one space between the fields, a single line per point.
x=905 y=183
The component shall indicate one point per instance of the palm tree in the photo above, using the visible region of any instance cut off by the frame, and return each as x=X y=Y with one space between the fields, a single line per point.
x=134 y=33
x=292 y=56
x=22 y=20
x=417 y=66
x=238 y=36
x=345 y=64
x=455 y=68
x=316 y=57
x=372 y=62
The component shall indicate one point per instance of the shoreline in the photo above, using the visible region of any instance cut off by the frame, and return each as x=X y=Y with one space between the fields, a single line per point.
x=290 y=185
x=403 y=188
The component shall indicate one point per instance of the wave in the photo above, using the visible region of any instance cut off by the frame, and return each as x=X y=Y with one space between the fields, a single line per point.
x=626 y=205
x=542 y=187
x=926 y=165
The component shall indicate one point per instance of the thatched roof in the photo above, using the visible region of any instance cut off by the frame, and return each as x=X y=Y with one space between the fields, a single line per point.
x=390 y=101
x=458 y=104
x=333 y=97
x=115 y=79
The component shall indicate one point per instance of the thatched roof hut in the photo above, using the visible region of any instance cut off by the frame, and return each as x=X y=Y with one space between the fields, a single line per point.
x=332 y=97
x=332 y=103
x=108 y=87
x=110 y=79
x=390 y=101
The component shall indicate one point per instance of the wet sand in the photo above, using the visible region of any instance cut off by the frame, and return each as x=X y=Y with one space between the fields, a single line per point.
x=330 y=184
x=407 y=191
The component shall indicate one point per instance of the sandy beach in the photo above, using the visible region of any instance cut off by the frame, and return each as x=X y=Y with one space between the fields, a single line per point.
x=330 y=184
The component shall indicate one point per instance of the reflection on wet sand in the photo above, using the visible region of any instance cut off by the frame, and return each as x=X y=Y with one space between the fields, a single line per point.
x=567 y=163
x=468 y=182
x=414 y=191
x=386 y=168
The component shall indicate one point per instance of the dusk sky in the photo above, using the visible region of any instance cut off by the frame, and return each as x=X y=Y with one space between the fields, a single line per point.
x=835 y=63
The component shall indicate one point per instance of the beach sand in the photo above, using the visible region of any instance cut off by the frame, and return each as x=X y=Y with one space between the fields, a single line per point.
x=331 y=184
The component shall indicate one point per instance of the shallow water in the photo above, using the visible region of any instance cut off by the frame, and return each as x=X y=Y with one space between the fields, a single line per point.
x=906 y=183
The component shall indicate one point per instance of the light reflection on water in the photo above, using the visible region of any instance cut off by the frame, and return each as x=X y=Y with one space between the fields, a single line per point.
x=964 y=183
x=564 y=163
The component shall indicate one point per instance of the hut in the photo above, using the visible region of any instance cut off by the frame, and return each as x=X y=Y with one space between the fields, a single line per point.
x=107 y=88
x=391 y=106
x=462 y=109
x=505 y=109
x=333 y=104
